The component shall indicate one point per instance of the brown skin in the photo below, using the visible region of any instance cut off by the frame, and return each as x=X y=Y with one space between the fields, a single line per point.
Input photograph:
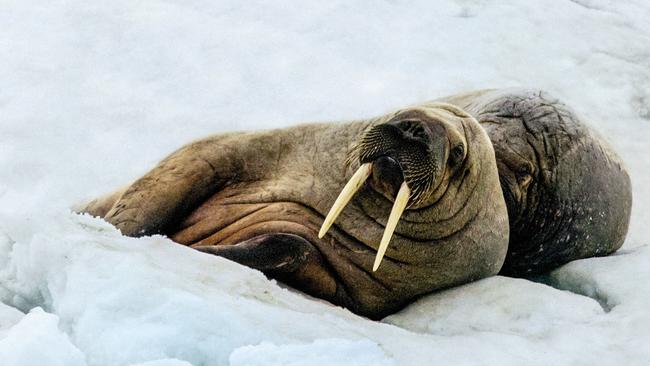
x=568 y=194
x=259 y=199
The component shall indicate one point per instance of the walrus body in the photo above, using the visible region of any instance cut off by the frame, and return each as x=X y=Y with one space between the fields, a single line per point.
x=568 y=194
x=259 y=198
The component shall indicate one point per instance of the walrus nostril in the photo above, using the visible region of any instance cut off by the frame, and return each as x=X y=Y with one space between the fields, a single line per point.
x=413 y=130
x=387 y=176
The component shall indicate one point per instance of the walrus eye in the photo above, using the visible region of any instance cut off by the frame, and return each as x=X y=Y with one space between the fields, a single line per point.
x=456 y=155
x=524 y=174
x=524 y=170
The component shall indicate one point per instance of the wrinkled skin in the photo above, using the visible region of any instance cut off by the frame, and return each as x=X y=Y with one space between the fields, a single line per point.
x=568 y=194
x=259 y=199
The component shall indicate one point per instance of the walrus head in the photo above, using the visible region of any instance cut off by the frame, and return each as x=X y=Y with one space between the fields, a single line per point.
x=409 y=158
x=568 y=194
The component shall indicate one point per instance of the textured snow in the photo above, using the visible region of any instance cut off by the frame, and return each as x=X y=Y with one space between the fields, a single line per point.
x=320 y=352
x=94 y=93
x=37 y=340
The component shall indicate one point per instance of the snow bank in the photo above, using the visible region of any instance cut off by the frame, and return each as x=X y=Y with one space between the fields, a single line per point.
x=494 y=305
x=595 y=313
x=36 y=340
x=93 y=94
x=125 y=300
x=320 y=352
x=122 y=301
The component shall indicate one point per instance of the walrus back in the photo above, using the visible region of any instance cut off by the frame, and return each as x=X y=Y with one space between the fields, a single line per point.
x=583 y=194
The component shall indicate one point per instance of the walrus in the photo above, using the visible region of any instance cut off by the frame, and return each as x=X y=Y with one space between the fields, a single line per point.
x=568 y=196
x=416 y=205
x=568 y=193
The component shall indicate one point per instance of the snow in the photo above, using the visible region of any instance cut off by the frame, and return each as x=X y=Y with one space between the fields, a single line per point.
x=37 y=340
x=94 y=93
x=320 y=352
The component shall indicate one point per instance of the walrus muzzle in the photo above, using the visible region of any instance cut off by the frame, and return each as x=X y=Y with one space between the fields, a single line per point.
x=417 y=150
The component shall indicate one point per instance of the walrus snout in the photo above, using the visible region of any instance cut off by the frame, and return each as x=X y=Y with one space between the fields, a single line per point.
x=404 y=158
x=387 y=176
x=404 y=150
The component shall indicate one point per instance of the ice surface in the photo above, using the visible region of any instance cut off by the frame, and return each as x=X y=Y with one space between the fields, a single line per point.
x=493 y=305
x=320 y=352
x=165 y=362
x=94 y=93
x=36 y=340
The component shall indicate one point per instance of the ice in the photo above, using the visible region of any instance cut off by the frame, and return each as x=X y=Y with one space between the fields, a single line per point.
x=493 y=305
x=9 y=317
x=614 y=281
x=94 y=93
x=165 y=362
x=320 y=352
x=153 y=300
x=36 y=340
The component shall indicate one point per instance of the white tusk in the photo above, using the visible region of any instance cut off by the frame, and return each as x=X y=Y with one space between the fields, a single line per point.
x=351 y=187
x=398 y=208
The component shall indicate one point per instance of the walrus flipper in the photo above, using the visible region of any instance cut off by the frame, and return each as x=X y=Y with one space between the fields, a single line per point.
x=100 y=206
x=174 y=187
x=286 y=257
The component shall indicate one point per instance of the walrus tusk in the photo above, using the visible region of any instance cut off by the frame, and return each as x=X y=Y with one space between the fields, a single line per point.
x=351 y=187
x=398 y=208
